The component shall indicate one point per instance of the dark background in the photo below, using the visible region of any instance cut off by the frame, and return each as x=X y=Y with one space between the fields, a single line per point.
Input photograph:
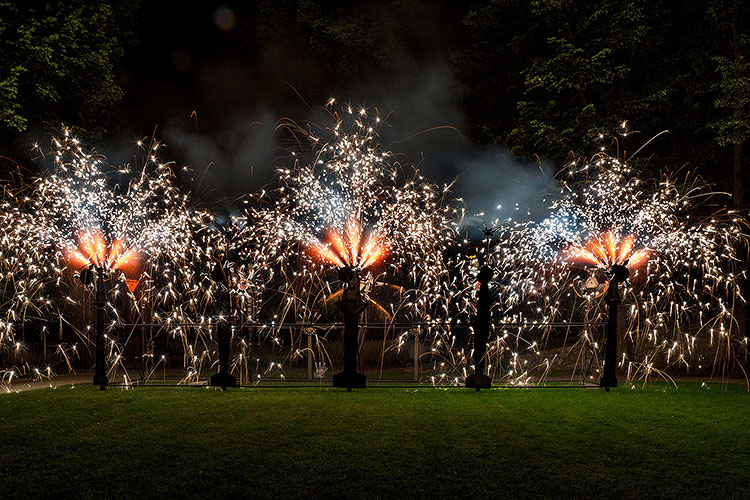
x=503 y=90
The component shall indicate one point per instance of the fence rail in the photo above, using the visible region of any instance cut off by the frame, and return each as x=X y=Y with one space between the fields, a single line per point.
x=402 y=326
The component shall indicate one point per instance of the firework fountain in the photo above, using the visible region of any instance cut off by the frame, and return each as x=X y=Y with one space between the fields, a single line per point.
x=348 y=230
x=667 y=246
x=345 y=205
x=107 y=228
x=98 y=262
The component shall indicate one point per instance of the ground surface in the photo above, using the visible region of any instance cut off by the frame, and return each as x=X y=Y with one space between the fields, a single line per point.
x=656 y=442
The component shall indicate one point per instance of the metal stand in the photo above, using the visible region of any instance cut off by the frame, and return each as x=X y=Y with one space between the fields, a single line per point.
x=352 y=304
x=479 y=380
x=416 y=355
x=220 y=276
x=309 y=332
x=609 y=373
x=224 y=379
x=100 y=372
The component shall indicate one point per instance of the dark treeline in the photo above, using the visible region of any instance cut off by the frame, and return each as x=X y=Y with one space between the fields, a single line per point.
x=541 y=77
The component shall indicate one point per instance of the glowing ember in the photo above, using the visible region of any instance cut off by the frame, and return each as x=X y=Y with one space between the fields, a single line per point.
x=351 y=249
x=93 y=249
x=607 y=250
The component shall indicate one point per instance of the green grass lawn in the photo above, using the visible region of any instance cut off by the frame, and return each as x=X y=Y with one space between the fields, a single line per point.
x=654 y=442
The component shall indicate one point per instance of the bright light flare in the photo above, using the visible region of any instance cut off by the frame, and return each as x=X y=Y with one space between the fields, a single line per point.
x=93 y=249
x=350 y=249
x=609 y=249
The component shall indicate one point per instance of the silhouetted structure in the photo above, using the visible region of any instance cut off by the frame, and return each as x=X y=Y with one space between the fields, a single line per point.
x=620 y=274
x=478 y=379
x=352 y=304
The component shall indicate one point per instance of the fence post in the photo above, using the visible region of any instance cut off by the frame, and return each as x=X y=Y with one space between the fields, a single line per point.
x=416 y=354
x=223 y=379
x=309 y=332
x=251 y=376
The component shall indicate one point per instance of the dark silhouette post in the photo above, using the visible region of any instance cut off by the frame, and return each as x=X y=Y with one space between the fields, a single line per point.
x=219 y=275
x=100 y=372
x=352 y=304
x=224 y=379
x=309 y=332
x=620 y=274
x=479 y=380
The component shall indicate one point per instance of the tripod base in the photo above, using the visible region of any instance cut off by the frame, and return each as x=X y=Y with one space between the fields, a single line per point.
x=351 y=380
x=478 y=381
x=102 y=381
x=223 y=380
x=608 y=382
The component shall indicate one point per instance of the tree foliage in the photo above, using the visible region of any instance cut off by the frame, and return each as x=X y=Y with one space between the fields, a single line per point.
x=732 y=82
x=548 y=76
x=57 y=63
x=542 y=77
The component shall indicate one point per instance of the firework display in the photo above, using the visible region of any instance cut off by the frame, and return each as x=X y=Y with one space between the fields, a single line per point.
x=346 y=228
x=344 y=203
x=553 y=269
x=132 y=226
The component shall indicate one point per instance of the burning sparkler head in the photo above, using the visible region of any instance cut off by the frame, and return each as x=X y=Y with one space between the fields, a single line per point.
x=94 y=250
x=353 y=249
x=608 y=249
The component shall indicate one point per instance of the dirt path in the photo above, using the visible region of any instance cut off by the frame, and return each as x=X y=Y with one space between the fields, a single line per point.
x=64 y=380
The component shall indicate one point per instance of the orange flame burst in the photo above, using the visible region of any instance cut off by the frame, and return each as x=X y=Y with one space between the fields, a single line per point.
x=94 y=249
x=609 y=249
x=350 y=249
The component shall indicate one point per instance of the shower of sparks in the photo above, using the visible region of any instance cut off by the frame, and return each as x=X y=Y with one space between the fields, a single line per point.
x=350 y=249
x=345 y=203
x=607 y=250
x=682 y=251
x=131 y=222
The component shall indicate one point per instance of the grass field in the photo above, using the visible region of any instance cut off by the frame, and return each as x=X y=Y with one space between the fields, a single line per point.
x=654 y=442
